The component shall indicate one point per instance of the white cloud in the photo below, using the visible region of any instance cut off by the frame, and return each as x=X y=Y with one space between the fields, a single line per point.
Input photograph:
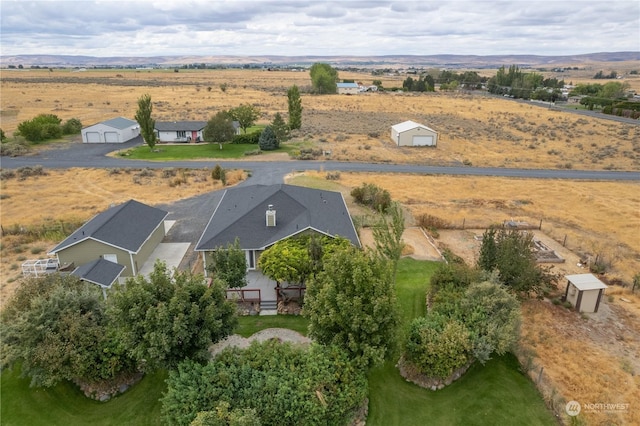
x=239 y=27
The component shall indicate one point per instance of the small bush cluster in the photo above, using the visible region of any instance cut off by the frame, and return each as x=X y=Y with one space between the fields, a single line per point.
x=170 y=172
x=253 y=152
x=247 y=138
x=218 y=173
x=15 y=148
x=308 y=154
x=373 y=196
x=28 y=171
x=48 y=126
x=333 y=176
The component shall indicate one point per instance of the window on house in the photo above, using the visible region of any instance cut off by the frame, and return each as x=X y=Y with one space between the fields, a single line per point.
x=182 y=134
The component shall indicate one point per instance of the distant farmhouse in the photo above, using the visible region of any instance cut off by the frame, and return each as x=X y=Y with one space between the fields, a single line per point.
x=410 y=133
x=116 y=130
x=348 y=88
x=183 y=131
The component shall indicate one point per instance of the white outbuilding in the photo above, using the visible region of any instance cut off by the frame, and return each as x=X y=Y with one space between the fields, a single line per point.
x=410 y=133
x=584 y=291
x=116 y=130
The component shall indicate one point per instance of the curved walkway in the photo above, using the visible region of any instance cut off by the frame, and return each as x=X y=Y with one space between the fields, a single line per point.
x=281 y=334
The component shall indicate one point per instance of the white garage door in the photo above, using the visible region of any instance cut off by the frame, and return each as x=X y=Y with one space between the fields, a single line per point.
x=111 y=137
x=422 y=140
x=93 y=137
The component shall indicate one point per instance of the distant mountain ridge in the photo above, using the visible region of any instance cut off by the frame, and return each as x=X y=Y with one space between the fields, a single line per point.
x=471 y=61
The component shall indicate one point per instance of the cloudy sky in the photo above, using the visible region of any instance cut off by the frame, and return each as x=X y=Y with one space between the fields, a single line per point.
x=290 y=27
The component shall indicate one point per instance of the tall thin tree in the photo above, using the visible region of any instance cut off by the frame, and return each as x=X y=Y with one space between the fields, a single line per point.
x=295 y=107
x=146 y=122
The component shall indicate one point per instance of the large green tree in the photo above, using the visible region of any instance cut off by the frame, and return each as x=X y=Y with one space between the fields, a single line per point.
x=352 y=304
x=219 y=129
x=295 y=107
x=324 y=78
x=510 y=252
x=281 y=383
x=294 y=260
x=56 y=328
x=246 y=115
x=229 y=264
x=146 y=121
x=164 y=319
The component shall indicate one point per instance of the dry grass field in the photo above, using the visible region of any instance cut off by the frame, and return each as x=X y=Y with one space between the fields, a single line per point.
x=474 y=129
x=593 y=218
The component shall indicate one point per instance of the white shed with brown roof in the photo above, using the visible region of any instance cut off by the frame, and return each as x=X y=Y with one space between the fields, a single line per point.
x=584 y=292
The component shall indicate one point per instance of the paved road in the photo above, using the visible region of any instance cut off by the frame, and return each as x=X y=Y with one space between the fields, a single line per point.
x=267 y=172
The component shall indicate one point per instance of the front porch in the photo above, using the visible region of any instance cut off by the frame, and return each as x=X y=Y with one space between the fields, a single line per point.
x=264 y=292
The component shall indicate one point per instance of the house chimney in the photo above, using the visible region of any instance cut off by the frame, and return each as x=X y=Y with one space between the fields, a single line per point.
x=271 y=216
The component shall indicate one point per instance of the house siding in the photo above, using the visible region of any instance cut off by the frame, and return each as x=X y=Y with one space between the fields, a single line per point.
x=406 y=138
x=172 y=136
x=149 y=246
x=123 y=135
x=90 y=250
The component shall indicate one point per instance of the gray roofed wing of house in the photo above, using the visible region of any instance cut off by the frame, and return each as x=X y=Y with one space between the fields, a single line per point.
x=100 y=271
x=184 y=126
x=241 y=214
x=126 y=226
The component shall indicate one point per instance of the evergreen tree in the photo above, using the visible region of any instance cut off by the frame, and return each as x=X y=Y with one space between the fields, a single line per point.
x=268 y=140
x=280 y=128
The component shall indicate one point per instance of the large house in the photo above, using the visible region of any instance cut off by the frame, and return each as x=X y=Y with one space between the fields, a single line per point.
x=261 y=215
x=114 y=243
x=116 y=130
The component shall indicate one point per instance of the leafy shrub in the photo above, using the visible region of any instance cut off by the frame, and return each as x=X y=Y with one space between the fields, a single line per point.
x=42 y=127
x=428 y=221
x=373 y=196
x=437 y=345
x=146 y=172
x=253 y=152
x=7 y=174
x=217 y=173
x=72 y=126
x=284 y=384
x=247 y=138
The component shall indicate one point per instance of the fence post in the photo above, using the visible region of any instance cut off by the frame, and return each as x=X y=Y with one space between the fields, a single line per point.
x=564 y=242
x=463 y=221
x=540 y=374
x=540 y=226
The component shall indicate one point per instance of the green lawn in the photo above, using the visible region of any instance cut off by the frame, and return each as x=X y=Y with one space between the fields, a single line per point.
x=189 y=152
x=497 y=393
x=249 y=325
x=65 y=405
x=494 y=394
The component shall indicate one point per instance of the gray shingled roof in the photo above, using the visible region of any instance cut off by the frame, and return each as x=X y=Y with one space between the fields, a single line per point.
x=100 y=271
x=120 y=123
x=180 y=126
x=241 y=213
x=126 y=226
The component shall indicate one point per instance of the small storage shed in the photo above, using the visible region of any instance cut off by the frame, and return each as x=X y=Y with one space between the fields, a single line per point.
x=584 y=292
x=348 y=88
x=116 y=130
x=410 y=133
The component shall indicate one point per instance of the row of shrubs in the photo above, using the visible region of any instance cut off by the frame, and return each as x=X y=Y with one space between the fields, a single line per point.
x=22 y=172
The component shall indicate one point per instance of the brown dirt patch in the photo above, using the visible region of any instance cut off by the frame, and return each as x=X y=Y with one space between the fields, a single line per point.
x=416 y=240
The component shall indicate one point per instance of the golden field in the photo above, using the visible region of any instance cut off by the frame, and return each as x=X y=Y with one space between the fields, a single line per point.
x=596 y=218
x=474 y=129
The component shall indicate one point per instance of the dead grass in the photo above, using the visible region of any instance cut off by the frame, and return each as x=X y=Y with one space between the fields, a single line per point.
x=597 y=218
x=475 y=129
x=76 y=195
